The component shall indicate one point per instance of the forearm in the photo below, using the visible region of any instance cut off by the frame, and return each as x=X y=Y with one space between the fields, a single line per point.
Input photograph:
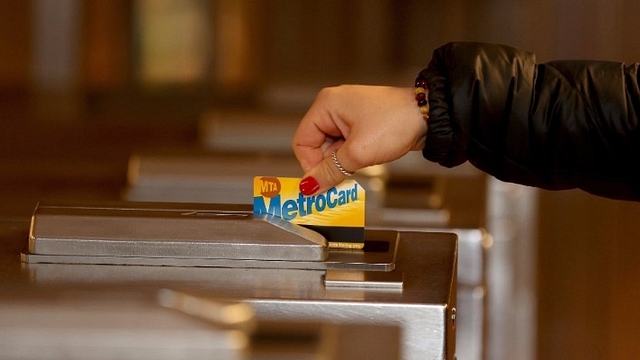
x=557 y=126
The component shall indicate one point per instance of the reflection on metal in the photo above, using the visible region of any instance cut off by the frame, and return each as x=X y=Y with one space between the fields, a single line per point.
x=225 y=315
x=82 y=326
x=169 y=324
x=364 y=280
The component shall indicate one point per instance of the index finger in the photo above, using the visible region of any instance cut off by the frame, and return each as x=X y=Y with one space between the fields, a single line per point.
x=316 y=133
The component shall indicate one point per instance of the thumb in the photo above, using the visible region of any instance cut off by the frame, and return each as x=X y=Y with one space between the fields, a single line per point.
x=324 y=175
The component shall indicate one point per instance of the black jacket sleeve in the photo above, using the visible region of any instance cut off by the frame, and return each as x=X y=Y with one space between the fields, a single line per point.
x=556 y=125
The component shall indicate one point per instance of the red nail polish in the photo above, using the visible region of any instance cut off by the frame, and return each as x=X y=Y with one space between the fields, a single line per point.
x=309 y=185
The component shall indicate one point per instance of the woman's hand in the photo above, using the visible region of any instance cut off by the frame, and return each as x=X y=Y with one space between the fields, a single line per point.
x=366 y=125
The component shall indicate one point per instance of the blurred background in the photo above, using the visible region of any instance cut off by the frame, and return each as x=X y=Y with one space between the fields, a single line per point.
x=85 y=86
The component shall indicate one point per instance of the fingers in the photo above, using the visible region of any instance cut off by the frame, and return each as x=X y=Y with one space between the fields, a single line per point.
x=324 y=175
x=369 y=125
x=318 y=131
x=308 y=145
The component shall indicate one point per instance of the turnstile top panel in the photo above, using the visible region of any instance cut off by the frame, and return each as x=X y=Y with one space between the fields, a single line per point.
x=192 y=235
x=158 y=230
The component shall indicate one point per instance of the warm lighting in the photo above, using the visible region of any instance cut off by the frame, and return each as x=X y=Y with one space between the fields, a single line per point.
x=174 y=40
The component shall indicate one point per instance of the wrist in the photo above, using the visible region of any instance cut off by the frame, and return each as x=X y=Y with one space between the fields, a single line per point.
x=415 y=120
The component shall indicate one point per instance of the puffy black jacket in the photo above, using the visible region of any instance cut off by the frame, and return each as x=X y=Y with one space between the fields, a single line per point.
x=556 y=125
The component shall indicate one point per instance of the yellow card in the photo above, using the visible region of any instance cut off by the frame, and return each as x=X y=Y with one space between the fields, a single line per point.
x=338 y=214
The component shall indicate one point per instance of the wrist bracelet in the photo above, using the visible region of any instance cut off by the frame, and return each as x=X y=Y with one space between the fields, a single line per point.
x=422 y=96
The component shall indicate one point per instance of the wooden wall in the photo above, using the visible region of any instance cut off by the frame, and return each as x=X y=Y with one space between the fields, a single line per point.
x=14 y=43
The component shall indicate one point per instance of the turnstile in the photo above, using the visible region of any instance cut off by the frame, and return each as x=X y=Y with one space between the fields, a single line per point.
x=285 y=272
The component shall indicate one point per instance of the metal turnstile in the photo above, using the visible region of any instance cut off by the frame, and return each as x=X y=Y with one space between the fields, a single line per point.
x=285 y=272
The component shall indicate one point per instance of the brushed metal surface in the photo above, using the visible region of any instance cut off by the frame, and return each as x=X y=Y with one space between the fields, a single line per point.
x=422 y=308
x=166 y=324
x=155 y=230
x=472 y=310
x=164 y=234
x=88 y=327
x=363 y=279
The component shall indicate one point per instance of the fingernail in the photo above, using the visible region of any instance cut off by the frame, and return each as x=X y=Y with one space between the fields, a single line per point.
x=309 y=185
